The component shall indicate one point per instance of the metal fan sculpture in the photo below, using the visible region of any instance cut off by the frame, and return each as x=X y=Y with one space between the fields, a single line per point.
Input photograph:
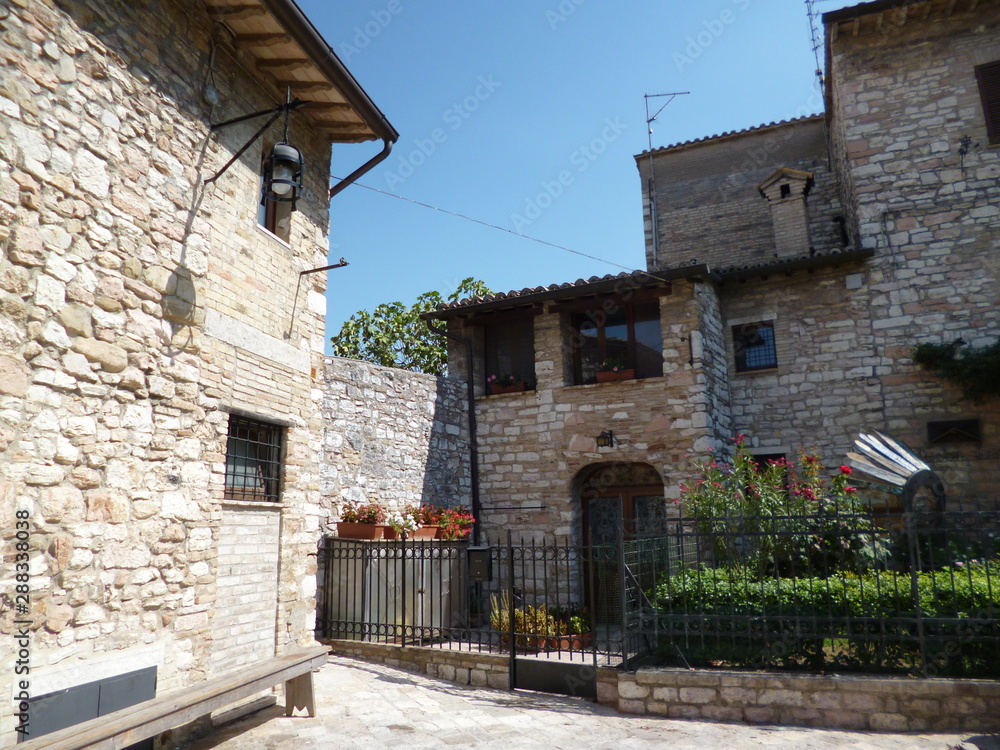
x=888 y=460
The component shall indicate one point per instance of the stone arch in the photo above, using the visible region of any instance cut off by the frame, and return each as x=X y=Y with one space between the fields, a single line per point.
x=626 y=479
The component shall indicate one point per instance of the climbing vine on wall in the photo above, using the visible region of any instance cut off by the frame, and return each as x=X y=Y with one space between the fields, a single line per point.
x=975 y=370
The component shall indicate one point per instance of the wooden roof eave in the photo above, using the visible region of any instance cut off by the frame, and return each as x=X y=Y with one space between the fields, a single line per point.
x=291 y=54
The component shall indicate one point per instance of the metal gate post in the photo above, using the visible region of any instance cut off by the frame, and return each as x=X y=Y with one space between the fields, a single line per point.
x=620 y=538
x=512 y=663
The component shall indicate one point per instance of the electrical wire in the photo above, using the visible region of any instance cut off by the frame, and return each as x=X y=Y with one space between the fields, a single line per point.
x=491 y=226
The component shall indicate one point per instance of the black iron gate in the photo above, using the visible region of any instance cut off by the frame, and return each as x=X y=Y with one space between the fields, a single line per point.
x=537 y=602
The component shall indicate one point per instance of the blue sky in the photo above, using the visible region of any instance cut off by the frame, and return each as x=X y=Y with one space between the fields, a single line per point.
x=527 y=115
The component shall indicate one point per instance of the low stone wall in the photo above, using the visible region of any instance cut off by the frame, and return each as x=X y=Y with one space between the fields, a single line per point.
x=880 y=704
x=463 y=667
x=893 y=704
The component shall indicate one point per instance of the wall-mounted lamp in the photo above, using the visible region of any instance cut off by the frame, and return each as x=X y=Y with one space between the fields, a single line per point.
x=283 y=167
x=606 y=439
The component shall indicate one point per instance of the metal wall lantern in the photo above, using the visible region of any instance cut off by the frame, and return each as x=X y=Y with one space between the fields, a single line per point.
x=606 y=439
x=283 y=168
x=282 y=175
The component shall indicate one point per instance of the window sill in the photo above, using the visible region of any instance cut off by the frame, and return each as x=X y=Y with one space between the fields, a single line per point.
x=268 y=233
x=615 y=382
x=762 y=371
x=254 y=504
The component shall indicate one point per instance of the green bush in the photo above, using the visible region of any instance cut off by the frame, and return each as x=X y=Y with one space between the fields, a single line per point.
x=867 y=621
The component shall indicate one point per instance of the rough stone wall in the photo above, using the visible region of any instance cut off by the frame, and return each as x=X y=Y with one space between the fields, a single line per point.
x=903 y=98
x=826 y=386
x=708 y=205
x=533 y=444
x=394 y=436
x=137 y=307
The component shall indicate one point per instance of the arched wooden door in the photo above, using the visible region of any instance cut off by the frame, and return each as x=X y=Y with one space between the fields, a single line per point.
x=612 y=496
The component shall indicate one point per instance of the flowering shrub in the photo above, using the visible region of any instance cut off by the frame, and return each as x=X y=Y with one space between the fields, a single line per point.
x=777 y=518
x=370 y=512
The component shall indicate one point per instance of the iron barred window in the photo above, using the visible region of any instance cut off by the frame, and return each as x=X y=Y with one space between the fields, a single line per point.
x=753 y=345
x=253 y=460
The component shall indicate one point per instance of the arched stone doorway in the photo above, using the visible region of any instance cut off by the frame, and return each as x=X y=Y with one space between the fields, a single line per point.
x=612 y=496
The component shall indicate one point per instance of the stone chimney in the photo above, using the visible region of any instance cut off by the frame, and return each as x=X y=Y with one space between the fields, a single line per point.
x=786 y=191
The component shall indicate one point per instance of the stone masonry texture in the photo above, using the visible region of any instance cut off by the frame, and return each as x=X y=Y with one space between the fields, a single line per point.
x=393 y=437
x=139 y=308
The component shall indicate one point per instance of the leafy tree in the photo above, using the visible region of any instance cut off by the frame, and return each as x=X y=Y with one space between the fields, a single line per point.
x=393 y=335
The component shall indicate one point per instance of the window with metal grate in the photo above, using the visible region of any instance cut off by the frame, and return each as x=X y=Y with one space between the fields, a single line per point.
x=253 y=460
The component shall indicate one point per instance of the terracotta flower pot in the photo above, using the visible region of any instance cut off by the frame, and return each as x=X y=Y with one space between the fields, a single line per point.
x=425 y=532
x=498 y=389
x=570 y=642
x=606 y=376
x=351 y=530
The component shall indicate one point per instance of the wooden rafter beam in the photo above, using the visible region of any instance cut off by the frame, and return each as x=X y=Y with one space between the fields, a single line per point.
x=284 y=64
x=326 y=106
x=239 y=12
x=261 y=40
x=303 y=87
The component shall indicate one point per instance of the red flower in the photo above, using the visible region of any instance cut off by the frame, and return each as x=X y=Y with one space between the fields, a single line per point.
x=850 y=489
x=846 y=470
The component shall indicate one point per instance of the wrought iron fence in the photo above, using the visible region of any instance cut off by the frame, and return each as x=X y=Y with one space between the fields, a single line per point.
x=559 y=600
x=914 y=593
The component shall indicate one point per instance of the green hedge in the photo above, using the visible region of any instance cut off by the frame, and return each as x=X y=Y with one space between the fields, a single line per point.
x=962 y=591
x=848 y=621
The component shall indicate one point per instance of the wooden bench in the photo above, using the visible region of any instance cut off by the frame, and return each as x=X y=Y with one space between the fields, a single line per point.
x=149 y=718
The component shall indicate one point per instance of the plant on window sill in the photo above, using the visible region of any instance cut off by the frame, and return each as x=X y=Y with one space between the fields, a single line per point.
x=505 y=383
x=975 y=371
x=612 y=369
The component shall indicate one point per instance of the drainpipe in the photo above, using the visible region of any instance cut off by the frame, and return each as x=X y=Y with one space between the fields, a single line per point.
x=374 y=161
x=473 y=450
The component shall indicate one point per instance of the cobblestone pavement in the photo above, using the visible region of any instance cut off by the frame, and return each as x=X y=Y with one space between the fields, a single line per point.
x=361 y=705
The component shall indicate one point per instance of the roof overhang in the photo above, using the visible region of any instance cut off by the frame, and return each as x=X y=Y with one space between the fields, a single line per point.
x=291 y=54
x=622 y=283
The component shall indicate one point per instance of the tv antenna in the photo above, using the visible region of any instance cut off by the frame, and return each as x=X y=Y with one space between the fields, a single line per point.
x=652 y=172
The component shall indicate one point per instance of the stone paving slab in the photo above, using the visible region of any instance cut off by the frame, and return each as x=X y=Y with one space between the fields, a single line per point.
x=362 y=705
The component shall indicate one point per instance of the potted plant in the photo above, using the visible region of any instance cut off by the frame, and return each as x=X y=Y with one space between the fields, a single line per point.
x=361 y=521
x=505 y=383
x=402 y=523
x=456 y=523
x=612 y=368
x=575 y=630
x=533 y=625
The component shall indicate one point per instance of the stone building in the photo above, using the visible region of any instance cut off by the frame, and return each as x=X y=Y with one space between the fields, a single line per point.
x=161 y=349
x=791 y=268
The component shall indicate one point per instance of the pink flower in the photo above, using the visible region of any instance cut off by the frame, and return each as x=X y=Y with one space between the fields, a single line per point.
x=850 y=489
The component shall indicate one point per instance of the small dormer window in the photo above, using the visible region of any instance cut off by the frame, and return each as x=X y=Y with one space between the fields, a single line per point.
x=786 y=190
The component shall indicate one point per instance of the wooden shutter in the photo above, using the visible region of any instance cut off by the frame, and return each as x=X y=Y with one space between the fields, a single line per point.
x=988 y=76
